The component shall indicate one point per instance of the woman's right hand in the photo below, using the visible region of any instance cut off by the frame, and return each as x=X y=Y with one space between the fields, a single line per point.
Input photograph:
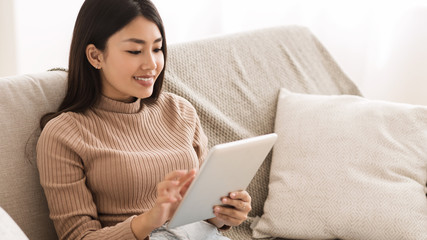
x=170 y=192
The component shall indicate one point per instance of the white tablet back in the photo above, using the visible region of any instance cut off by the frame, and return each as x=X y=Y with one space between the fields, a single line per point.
x=228 y=167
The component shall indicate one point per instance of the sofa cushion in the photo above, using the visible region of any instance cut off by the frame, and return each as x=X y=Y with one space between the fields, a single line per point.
x=9 y=229
x=233 y=82
x=24 y=99
x=347 y=167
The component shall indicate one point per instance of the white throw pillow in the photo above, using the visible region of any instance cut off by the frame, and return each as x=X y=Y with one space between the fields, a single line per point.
x=346 y=167
x=9 y=230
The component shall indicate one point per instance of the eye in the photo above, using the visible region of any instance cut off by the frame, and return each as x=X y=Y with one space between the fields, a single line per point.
x=134 y=52
x=158 y=50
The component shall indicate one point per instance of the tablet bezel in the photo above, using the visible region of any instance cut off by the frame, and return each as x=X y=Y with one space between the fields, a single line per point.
x=228 y=167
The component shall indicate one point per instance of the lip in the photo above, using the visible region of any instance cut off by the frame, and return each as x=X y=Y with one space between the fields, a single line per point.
x=141 y=77
x=146 y=76
x=144 y=80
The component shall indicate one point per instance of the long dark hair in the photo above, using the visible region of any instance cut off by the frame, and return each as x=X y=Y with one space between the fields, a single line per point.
x=96 y=22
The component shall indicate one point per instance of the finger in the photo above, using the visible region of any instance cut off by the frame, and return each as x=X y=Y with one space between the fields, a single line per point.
x=230 y=216
x=166 y=199
x=174 y=175
x=227 y=220
x=188 y=183
x=242 y=195
x=231 y=212
x=186 y=186
x=177 y=186
x=167 y=185
x=184 y=180
x=237 y=204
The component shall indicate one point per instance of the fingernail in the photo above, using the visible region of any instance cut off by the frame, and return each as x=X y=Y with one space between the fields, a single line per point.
x=224 y=200
x=216 y=209
x=232 y=195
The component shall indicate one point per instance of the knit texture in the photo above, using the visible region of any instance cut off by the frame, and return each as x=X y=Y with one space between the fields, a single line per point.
x=234 y=81
x=346 y=167
x=100 y=168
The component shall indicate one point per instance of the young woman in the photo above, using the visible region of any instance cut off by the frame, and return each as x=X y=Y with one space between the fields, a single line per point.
x=119 y=154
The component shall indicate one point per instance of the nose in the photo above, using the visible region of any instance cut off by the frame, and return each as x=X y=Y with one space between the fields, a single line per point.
x=149 y=61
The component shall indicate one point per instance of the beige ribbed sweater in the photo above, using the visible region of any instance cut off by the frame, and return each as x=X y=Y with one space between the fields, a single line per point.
x=100 y=168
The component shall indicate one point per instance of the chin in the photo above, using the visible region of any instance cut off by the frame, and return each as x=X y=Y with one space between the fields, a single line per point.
x=145 y=95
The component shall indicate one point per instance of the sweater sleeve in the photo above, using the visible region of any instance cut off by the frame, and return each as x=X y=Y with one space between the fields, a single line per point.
x=200 y=140
x=62 y=175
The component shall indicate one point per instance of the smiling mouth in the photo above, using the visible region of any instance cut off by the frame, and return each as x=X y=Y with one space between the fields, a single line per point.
x=145 y=79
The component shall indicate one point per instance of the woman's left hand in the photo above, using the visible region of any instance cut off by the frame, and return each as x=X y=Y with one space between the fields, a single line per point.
x=235 y=210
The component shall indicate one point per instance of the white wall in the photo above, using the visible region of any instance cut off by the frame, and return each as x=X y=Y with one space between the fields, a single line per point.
x=43 y=33
x=7 y=39
x=397 y=62
x=380 y=44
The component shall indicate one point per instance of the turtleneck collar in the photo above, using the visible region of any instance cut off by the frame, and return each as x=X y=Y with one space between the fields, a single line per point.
x=110 y=105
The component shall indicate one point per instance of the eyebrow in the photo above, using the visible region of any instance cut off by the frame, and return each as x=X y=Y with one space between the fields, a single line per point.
x=140 y=41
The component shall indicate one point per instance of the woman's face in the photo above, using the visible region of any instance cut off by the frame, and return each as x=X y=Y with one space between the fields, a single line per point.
x=132 y=61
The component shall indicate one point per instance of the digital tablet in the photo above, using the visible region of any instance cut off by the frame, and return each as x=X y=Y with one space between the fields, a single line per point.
x=227 y=168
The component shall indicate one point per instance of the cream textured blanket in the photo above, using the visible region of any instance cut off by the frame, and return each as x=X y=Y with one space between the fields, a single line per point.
x=234 y=82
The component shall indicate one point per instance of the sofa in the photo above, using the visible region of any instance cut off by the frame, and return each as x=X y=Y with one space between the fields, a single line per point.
x=234 y=82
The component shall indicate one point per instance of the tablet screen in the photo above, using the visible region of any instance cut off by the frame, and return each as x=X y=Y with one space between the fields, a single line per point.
x=228 y=167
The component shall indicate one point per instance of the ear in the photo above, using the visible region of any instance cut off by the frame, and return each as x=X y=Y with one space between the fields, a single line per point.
x=94 y=56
